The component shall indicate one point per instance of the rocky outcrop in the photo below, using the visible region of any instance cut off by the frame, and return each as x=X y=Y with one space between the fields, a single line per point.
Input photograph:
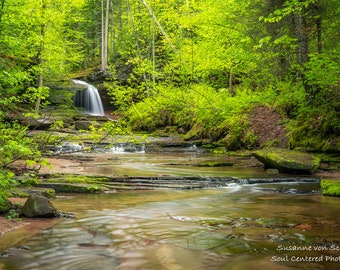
x=287 y=161
x=84 y=122
x=38 y=206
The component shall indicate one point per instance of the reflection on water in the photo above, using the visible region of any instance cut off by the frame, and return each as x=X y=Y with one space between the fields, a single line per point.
x=232 y=228
x=123 y=162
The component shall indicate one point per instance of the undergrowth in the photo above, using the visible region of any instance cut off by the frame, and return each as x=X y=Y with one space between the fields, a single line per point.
x=203 y=112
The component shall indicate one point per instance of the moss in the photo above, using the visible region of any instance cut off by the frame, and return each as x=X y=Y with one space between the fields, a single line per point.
x=287 y=160
x=215 y=164
x=194 y=133
x=49 y=193
x=69 y=178
x=72 y=187
x=330 y=187
x=219 y=150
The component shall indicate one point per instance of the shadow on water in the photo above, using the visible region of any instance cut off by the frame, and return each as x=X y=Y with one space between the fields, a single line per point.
x=244 y=224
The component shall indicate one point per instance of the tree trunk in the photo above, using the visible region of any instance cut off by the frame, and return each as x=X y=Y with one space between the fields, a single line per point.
x=319 y=33
x=154 y=18
x=40 y=57
x=2 y=8
x=231 y=86
x=102 y=65
x=104 y=34
x=299 y=27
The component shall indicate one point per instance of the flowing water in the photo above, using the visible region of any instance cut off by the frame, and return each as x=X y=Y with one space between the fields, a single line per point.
x=258 y=226
x=89 y=99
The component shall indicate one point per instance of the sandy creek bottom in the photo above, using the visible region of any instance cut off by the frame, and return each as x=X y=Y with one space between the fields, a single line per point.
x=234 y=227
x=258 y=226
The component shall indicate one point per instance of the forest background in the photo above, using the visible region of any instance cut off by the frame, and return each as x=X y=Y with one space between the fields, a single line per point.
x=199 y=65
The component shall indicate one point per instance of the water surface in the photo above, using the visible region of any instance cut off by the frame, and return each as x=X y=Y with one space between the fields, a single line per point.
x=231 y=228
x=258 y=226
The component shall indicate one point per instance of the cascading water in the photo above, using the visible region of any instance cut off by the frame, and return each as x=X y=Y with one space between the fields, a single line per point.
x=89 y=99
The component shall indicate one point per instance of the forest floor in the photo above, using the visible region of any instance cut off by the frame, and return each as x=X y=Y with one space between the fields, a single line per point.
x=267 y=125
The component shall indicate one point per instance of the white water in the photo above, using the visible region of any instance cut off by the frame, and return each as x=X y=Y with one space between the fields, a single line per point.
x=89 y=99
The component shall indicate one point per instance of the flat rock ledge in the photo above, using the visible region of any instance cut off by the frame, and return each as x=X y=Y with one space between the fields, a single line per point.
x=287 y=161
x=115 y=184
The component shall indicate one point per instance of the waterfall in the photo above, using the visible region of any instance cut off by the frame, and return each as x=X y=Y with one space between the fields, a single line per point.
x=89 y=99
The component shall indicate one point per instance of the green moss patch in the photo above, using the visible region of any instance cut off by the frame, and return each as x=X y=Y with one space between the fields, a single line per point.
x=287 y=161
x=215 y=164
x=330 y=187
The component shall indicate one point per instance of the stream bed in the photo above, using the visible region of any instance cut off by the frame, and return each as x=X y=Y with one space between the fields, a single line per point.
x=286 y=225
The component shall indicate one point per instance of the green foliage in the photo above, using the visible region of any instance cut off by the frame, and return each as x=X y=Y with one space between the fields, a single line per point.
x=6 y=182
x=12 y=214
x=32 y=94
x=323 y=70
x=94 y=189
x=107 y=131
x=330 y=187
x=196 y=65
x=315 y=129
x=28 y=179
x=15 y=145
x=213 y=114
x=123 y=96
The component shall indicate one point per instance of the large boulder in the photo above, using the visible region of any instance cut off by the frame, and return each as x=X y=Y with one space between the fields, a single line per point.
x=287 y=161
x=38 y=206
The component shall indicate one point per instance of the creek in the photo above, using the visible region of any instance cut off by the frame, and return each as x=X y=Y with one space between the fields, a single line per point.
x=286 y=225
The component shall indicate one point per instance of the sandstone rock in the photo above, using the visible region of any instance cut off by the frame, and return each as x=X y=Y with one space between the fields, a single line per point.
x=272 y=171
x=287 y=161
x=83 y=125
x=38 y=206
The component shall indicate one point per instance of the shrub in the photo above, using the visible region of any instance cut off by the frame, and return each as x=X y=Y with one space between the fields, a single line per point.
x=6 y=182
x=330 y=187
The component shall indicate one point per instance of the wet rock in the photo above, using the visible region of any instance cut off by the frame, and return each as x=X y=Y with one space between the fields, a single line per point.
x=272 y=171
x=99 y=76
x=38 y=123
x=287 y=161
x=83 y=125
x=84 y=122
x=72 y=187
x=66 y=215
x=38 y=206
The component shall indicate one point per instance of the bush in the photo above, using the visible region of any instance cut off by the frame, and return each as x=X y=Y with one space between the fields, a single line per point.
x=209 y=113
x=15 y=145
x=330 y=187
x=6 y=182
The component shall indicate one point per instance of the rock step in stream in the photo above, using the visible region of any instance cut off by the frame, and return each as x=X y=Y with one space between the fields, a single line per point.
x=164 y=182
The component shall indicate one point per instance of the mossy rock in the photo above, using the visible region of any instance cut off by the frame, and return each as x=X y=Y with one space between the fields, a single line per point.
x=215 y=164
x=330 y=187
x=38 y=206
x=27 y=191
x=73 y=187
x=287 y=161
